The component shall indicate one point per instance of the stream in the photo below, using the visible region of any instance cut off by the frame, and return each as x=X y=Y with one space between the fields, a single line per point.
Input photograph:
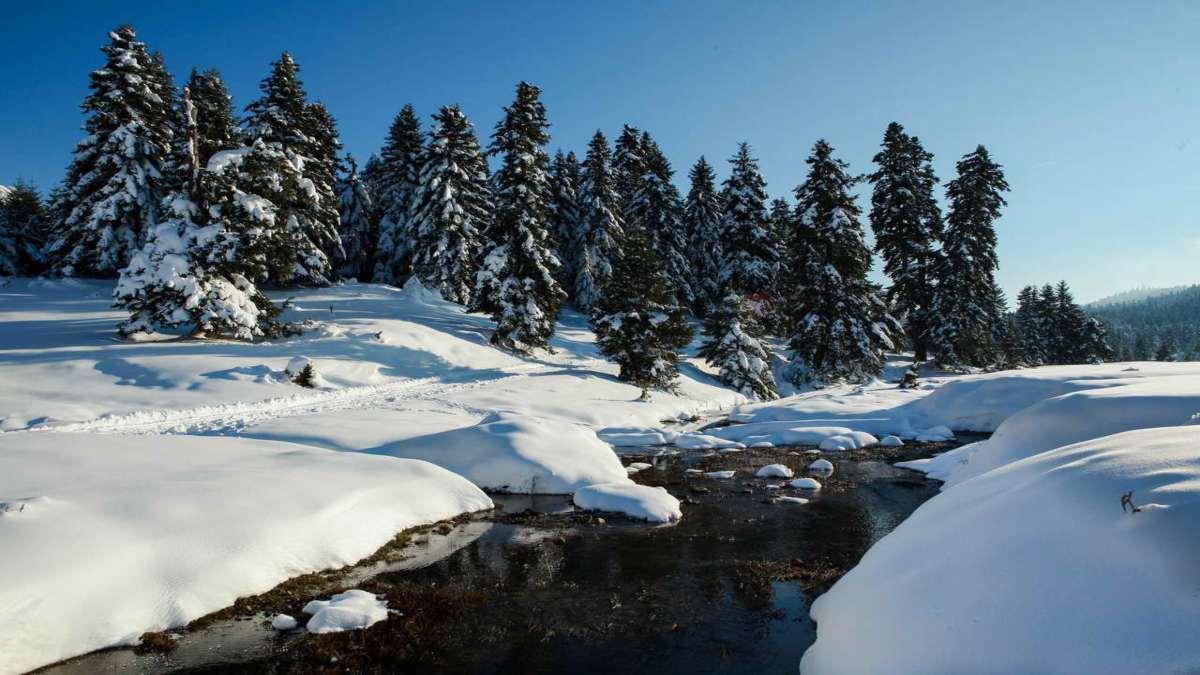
x=536 y=586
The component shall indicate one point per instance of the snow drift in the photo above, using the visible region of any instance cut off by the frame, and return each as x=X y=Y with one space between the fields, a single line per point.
x=105 y=537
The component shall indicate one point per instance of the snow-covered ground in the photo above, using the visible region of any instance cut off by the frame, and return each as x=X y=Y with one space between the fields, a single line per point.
x=1026 y=562
x=148 y=483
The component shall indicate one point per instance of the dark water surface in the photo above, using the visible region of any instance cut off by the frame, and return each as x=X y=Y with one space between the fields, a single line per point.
x=539 y=588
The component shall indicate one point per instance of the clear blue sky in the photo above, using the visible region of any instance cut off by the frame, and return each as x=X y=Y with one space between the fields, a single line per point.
x=1092 y=107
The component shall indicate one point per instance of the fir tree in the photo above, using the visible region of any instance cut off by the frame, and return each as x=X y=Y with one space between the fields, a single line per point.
x=907 y=224
x=519 y=273
x=734 y=346
x=1030 y=327
x=359 y=230
x=395 y=186
x=750 y=259
x=303 y=134
x=321 y=129
x=773 y=308
x=452 y=207
x=637 y=322
x=112 y=188
x=959 y=332
x=216 y=129
x=628 y=166
x=841 y=324
x=656 y=208
x=703 y=221
x=566 y=215
x=23 y=230
x=602 y=229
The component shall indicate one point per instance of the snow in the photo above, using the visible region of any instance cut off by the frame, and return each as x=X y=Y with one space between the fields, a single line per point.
x=791 y=500
x=774 y=471
x=351 y=610
x=510 y=452
x=1038 y=567
x=637 y=436
x=806 y=484
x=821 y=466
x=891 y=441
x=124 y=534
x=720 y=474
x=699 y=441
x=854 y=440
x=641 y=502
x=283 y=622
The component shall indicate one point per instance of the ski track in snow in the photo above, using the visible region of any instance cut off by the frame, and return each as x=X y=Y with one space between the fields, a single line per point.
x=230 y=418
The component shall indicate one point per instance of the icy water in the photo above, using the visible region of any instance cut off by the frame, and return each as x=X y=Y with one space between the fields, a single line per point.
x=536 y=587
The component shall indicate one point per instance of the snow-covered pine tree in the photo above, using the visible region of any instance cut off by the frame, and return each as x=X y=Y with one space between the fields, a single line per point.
x=733 y=344
x=452 y=207
x=841 y=323
x=703 y=220
x=637 y=322
x=286 y=122
x=602 y=229
x=321 y=130
x=395 y=186
x=773 y=311
x=359 y=230
x=111 y=191
x=908 y=224
x=519 y=272
x=1029 y=324
x=961 y=333
x=627 y=167
x=656 y=208
x=23 y=230
x=566 y=215
x=750 y=257
x=216 y=129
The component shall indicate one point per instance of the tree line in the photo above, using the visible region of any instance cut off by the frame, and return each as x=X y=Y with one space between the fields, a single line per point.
x=195 y=212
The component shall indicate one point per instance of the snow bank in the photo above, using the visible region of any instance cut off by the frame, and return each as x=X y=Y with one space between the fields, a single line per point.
x=854 y=440
x=625 y=437
x=699 y=441
x=653 y=504
x=1114 y=405
x=122 y=535
x=774 y=471
x=1033 y=567
x=351 y=610
x=508 y=452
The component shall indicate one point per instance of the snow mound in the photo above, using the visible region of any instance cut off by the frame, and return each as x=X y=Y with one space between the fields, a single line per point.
x=1038 y=569
x=283 y=622
x=510 y=452
x=821 y=466
x=626 y=437
x=891 y=442
x=791 y=500
x=720 y=474
x=855 y=440
x=641 y=502
x=142 y=534
x=774 y=471
x=698 y=441
x=936 y=434
x=352 y=610
x=806 y=484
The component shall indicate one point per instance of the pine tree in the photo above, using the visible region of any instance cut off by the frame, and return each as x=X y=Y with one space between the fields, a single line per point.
x=1029 y=325
x=451 y=209
x=908 y=224
x=603 y=230
x=841 y=324
x=519 y=273
x=216 y=129
x=23 y=230
x=750 y=258
x=1069 y=320
x=960 y=333
x=321 y=130
x=734 y=346
x=772 y=308
x=566 y=215
x=628 y=166
x=359 y=229
x=637 y=322
x=301 y=133
x=112 y=188
x=396 y=182
x=656 y=208
x=703 y=220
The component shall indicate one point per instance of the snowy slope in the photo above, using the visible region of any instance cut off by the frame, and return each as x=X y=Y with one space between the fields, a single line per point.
x=104 y=537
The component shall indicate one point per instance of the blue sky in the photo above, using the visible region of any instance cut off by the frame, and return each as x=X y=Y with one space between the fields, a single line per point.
x=1092 y=107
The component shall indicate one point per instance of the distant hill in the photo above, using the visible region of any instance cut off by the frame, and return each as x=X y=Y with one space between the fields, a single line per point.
x=1135 y=295
x=1139 y=328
